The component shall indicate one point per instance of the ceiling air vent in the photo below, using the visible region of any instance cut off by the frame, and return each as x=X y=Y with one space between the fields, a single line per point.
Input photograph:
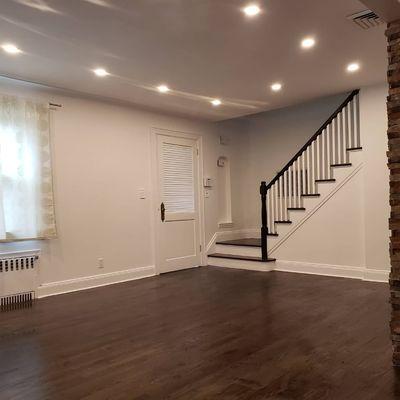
x=366 y=19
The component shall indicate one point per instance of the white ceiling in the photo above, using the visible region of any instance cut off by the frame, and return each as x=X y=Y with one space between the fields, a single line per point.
x=389 y=10
x=201 y=48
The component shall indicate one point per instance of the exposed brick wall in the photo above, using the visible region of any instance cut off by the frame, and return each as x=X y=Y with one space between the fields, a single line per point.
x=393 y=106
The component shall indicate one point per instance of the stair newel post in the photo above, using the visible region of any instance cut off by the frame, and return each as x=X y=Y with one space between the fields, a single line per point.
x=264 y=226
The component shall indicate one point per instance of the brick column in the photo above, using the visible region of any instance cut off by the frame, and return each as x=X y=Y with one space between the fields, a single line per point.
x=393 y=107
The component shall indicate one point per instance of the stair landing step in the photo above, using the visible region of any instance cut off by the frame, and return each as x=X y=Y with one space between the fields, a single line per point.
x=341 y=165
x=354 y=148
x=236 y=257
x=251 y=242
x=310 y=195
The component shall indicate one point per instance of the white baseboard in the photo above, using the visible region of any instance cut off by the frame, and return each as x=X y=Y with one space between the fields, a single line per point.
x=90 y=282
x=342 y=271
x=376 y=275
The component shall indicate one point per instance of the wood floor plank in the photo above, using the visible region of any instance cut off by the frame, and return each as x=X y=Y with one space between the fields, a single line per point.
x=207 y=333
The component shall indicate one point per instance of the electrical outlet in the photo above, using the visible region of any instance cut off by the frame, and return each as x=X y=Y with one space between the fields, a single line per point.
x=100 y=263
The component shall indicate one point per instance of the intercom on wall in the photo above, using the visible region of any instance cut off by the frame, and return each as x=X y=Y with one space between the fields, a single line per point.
x=221 y=162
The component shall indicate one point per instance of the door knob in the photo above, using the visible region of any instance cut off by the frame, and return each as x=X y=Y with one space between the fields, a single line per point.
x=162 y=208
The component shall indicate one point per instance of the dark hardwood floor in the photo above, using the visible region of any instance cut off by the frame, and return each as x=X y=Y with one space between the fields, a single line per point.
x=208 y=333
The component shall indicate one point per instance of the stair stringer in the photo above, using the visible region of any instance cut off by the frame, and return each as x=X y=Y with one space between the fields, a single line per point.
x=283 y=238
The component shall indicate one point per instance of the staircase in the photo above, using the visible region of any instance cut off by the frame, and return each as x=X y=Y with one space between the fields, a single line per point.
x=303 y=184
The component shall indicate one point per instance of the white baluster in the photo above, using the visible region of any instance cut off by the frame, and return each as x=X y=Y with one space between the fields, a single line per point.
x=309 y=169
x=290 y=189
x=330 y=150
x=327 y=152
x=301 y=164
x=346 y=132
x=285 y=194
x=318 y=157
x=314 y=165
x=352 y=121
x=334 y=142
x=358 y=129
x=323 y=155
x=279 y=210
x=273 y=189
x=269 y=210
x=282 y=197
x=341 y=139
x=298 y=184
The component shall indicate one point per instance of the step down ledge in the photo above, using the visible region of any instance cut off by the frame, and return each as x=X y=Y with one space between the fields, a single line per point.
x=354 y=148
x=246 y=242
x=310 y=195
x=237 y=257
x=341 y=165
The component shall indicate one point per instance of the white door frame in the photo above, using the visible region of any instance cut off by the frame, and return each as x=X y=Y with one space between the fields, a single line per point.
x=156 y=192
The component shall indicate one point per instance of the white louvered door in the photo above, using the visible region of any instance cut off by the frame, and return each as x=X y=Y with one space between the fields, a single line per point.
x=178 y=243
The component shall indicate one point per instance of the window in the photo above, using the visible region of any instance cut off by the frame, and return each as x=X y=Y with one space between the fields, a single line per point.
x=178 y=180
x=26 y=190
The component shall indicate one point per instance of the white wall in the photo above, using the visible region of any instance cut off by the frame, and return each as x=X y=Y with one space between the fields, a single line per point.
x=101 y=157
x=376 y=176
x=352 y=228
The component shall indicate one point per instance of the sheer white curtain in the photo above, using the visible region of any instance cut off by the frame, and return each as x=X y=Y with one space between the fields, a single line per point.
x=26 y=190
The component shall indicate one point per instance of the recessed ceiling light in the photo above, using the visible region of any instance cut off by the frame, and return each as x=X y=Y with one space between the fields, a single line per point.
x=163 y=88
x=307 y=43
x=353 y=67
x=276 y=87
x=251 y=10
x=101 y=72
x=10 y=48
x=216 y=102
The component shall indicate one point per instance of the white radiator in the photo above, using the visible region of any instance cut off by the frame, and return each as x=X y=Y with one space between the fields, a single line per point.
x=18 y=277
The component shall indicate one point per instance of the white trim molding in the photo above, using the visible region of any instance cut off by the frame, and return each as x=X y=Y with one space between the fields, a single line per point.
x=90 y=282
x=241 y=264
x=309 y=214
x=20 y=253
x=376 y=275
x=341 y=271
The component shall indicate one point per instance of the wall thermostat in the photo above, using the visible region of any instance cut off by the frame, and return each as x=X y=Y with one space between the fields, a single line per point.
x=207 y=182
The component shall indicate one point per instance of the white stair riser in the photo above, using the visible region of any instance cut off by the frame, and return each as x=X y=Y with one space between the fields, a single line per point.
x=238 y=250
x=241 y=264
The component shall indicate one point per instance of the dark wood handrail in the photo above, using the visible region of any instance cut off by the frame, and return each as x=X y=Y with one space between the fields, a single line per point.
x=316 y=134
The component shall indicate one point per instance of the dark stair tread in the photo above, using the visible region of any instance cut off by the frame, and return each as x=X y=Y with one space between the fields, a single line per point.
x=236 y=257
x=326 y=180
x=354 y=148
x=296 y=209
x=310 y=195
x=283 y=222
x=250 y=242
x=341 y=165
